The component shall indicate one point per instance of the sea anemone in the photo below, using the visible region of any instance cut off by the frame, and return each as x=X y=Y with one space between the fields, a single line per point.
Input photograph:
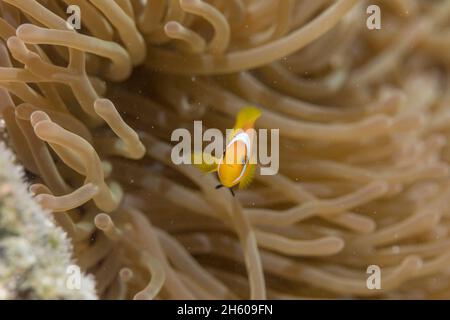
x=364 y=124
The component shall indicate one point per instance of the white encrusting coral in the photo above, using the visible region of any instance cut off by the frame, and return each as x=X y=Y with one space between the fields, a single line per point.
x=35 y=254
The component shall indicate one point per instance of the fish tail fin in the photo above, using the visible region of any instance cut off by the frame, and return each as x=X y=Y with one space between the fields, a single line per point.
x=205 y=162
x=247 y=179
x=246 y=117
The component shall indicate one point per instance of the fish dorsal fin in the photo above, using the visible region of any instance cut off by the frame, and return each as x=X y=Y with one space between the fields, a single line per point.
x=209 y=162
x=247 y=178
x=246 y=118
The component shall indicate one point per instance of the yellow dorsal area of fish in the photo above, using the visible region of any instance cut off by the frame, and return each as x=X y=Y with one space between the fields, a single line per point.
x=246 y=118
x=234 y=167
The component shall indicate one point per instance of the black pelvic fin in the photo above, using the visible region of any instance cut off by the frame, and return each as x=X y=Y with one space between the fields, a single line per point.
x=221 y=185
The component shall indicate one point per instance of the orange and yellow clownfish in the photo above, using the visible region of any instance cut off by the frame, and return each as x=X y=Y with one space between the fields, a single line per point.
x=234 y=167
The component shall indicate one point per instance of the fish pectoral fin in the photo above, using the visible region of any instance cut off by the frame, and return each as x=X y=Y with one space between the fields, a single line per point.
x=248 y=176
x=208 y=163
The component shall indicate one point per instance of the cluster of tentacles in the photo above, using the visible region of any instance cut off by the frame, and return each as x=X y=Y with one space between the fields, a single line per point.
x=364 y=123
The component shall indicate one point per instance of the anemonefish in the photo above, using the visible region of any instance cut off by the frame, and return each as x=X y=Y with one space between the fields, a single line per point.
x=234 y=167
